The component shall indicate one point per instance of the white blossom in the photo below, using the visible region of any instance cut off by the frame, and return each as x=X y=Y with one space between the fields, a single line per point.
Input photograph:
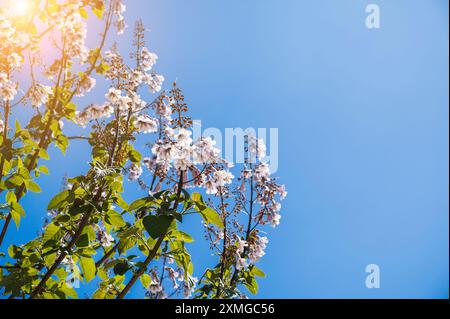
x=135 y=172
x=14 y=60
x=119 y=9
x=8 y=91
x=256 y=249
x=211 y=187
x=257 y=147
x=223 y=177
x=113 y=95
x=241 y=263
x=39 y=94
x=173 y=275
x=241 y=244
x=262 y=172
x=105 y=239
x=274 y=219
x=148 y=59
x=146 y=124
x=164 y=152
x=85 y=86
x=204 y=151
x=189 y=286
x=154 y=82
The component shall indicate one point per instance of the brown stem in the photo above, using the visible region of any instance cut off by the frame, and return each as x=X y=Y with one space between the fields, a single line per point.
x=247 y=235
x=224 y=249
x=161 y=278
x=34 y=293
x=142 y=269
x=153 y=252
x=107 y=255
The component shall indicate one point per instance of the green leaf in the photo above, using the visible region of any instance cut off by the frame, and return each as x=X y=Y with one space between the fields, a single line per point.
x=70 y=110
x=157 y=226
x=43 y=169
x=43 y=154
x=62 y=219
x=89 y=269
x=11 y=198
x=140 y=203
x=146 y=280
x=115 y=219
x=83 y=13
x=102 y=68
x=50 y=232
x=209 y=215
x=33 y=187
x=212 y=217
x=62 y=142
x=121 y=268
x=198 y=199
x=15 y=180
x=99 y=294
x=70 y=292
x=16 y=218
x=90 y=231
x=180 y=235
x=98 y=13
x=134 y=156
x=121 y=203
x=258 y=272
x=252 y=285
x=18 y=208
x=83 y=241
x=58 y=200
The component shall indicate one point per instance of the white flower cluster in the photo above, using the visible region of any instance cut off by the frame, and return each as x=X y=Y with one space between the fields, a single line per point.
x=119 y=9
x=126 y=101
x=256 y=249
x=146 y=124
x=39 y=94
x=176 y=277
x=184 y=154
x=148 y=59
x=72 y=25
x=10 y=37
x=11 y=43
x=93 y=112
x=85 y=85
x=8 y=89
x=256 y=147
x=155 y=286
x=218 y=179
x=255 y=246
x=106 y=240
x=67 y=261
x=267 y=194
x=241 y=263
x=189 y=286
x=135 y=171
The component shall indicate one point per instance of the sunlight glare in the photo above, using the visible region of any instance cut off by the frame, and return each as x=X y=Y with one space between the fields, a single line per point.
x=19 y=7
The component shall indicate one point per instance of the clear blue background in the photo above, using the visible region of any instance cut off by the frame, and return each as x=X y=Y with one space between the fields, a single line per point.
x=363 y=133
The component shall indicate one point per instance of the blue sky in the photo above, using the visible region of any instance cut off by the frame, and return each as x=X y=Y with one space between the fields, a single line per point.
x=363 y=132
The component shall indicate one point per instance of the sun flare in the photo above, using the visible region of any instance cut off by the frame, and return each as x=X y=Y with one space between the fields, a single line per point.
x=19 y=7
